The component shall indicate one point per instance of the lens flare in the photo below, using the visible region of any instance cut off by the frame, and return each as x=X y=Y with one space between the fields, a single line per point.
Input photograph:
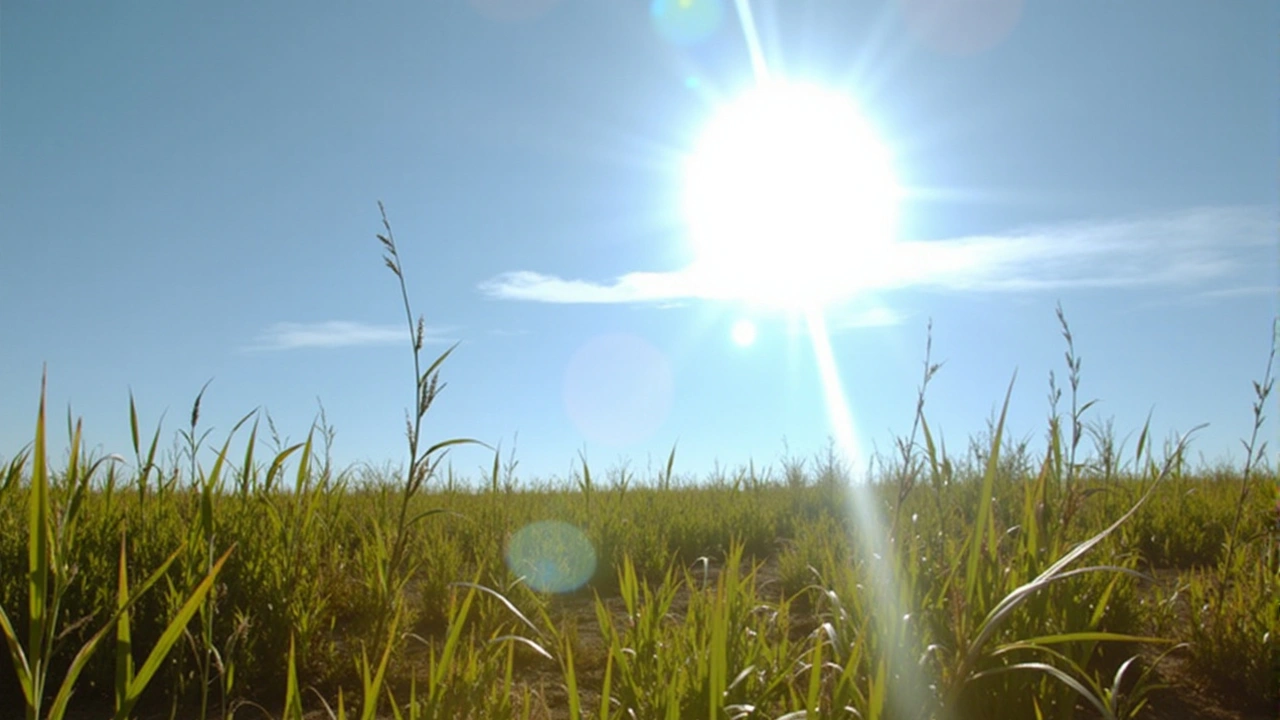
x=686 y=22
x=876 y=549
x=618 y=389
x=838 y=412
x=551 y=556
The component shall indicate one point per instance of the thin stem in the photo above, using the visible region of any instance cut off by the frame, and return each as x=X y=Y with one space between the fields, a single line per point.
x=1253 y=453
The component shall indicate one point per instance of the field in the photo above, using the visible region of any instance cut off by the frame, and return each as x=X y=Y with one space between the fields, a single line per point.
x=249 y=579
x=739 y=592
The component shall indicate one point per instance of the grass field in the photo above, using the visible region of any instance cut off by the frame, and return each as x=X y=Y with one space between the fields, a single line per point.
x=249 y=579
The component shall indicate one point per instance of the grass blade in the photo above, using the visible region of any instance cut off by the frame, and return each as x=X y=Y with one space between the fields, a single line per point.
x=22 y=668
x=174 y=630
x=38 y=560
x=292 y=698
x=1060 y=675
x=124 y=640
x=984 y=526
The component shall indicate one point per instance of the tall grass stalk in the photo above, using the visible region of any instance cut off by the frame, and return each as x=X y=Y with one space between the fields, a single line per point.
x=1255 y=453
x=422 y=465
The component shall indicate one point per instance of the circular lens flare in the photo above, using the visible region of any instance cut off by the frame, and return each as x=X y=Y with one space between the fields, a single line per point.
x=618 y=389
x=686 y=22
x=551 y=556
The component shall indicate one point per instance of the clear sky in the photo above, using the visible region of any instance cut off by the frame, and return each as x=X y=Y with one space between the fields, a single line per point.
x=189 y=191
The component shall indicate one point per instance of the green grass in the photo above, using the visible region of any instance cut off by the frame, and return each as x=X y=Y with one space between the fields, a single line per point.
x=1088 y=582
x=305 y=578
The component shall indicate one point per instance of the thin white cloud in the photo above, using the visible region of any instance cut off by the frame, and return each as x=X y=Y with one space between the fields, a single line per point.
x=878 y=316
x=630 y=288
x=1247 y=291
x=1194 y=247
x=332 y=334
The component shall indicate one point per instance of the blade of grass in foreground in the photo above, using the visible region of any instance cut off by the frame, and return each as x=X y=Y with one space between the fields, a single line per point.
x=170 y=636
x=1055 y=572
x=292 y=698
x=124 y=639
x=373 y=682
x=37 y=564
x=30 y=664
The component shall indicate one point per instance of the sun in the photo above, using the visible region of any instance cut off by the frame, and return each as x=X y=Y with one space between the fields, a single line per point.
x=790 y=197
x=743 y=333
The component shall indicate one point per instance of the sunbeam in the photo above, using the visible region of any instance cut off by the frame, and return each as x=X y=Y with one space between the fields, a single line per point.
x=838 y=412
x=877 y=549
x=748 y=23
x=878 y=552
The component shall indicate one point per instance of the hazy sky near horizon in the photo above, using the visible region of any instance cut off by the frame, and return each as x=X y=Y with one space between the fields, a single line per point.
x=189 y=192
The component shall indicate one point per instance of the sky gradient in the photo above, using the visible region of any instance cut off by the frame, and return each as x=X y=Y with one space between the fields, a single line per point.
x=190 y=193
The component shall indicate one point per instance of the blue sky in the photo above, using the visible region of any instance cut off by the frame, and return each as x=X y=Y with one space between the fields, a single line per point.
x=190 y=192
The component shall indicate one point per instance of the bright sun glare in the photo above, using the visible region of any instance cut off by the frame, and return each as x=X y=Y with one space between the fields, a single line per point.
x=743 y=333
x=789 y=196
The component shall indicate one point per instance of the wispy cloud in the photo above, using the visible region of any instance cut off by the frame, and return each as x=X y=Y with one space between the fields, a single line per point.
x=332 y=334
x=1197 y=247
x=878 y=316
x=1246 y=291
x=630 y=288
